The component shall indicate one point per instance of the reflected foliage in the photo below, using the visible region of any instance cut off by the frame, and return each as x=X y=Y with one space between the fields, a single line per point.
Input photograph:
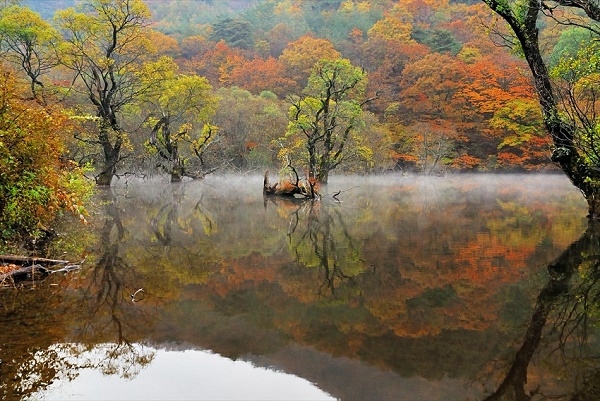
x=398 y=281
x=562 y=331
x=318 y=239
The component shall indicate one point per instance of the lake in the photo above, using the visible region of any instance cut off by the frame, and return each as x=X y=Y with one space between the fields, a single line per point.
x=463 y=287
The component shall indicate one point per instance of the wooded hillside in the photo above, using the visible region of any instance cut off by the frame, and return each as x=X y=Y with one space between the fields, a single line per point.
x=440 y=94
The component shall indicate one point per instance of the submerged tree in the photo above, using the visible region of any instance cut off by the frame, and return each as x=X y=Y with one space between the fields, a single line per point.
x=571 y=119
x=179 y=107
x=105 y=44
x=326 y=120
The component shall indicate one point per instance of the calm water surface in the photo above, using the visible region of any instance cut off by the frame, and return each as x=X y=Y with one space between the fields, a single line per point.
x=452 y=288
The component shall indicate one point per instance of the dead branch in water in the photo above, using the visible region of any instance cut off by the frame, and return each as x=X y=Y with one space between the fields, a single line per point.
x=30 y=260
x=27 y=273
x=305 y=188
x=18 y=269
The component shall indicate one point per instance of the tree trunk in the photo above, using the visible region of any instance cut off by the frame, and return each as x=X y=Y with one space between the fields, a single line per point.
x=324 y=176
x=593 y=201
x=177 y=170
x=175 y=177
x=112 y=153
x=105 y=177
x=27 y=273
x=583 y=176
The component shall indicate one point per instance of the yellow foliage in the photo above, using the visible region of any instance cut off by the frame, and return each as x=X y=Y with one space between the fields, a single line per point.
x=391 y=28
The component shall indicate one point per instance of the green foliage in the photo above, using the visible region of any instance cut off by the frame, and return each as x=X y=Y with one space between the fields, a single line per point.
x=577 y=63
x=30 y=43
x=521 y=119
x=573 y=41
x=235 y=32
x=350 y=16
x=576 y=73
x=325 y=122
x=337 y=80
x=177 y=109
x=21 y=23
x=438 y=40
x=587 y=141
x=187 y=18
x=36 y=181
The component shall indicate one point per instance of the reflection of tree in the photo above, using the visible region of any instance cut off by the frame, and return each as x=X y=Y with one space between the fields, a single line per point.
x=565 y=312
x=24 y=318
x=106 y=321
x=168 y=215
x=319 y=238
x=110 y=313
x=105 y=291
x=179 y=238
x=162 y=223
x=63 y=361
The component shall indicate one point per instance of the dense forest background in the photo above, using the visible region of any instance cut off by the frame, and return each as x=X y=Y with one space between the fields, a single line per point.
x=444 y=96
x=107 y=88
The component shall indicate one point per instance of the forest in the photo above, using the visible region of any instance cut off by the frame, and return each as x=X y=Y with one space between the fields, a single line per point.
x=109 y=88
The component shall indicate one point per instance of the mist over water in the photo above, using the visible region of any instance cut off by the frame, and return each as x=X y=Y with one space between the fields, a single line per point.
x=404 y=287
x=426 y=189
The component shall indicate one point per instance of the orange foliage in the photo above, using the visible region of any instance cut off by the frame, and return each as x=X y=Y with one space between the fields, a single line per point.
x=429 y=88
x=301 y=55
x=386 y=60
x=467 y=162
x=165 y=45
x=494 y=81
x=258 y=75
x=217 y=64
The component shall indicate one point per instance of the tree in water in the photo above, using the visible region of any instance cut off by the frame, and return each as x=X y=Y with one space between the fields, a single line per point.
x=325 y=122
x=568 y=110
x=179 y=108
x=106 y=42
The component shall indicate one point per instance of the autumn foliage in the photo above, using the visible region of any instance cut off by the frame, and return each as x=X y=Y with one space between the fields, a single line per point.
x=428 y=64
x=37 y=182
x=442 y=96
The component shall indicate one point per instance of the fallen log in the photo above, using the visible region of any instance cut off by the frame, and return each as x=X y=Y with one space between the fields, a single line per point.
x=27 y=273
x=30 y=260
x=17 y=269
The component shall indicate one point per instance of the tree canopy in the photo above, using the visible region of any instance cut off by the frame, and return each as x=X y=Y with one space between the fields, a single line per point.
x=442 y=95
x=568 y=106
x=37 y=181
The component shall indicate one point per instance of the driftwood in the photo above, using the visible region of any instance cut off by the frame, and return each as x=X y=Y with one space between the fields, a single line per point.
x=27 y=273
x=25 y=268
x=288 y=188
x=23 y=260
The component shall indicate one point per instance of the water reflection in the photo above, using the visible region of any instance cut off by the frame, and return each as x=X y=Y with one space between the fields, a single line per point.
x=406 y=289
x=562 y=331
x=200 y=375
x=319 y=238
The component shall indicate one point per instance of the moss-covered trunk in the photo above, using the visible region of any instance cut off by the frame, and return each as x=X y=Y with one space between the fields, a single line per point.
x=563 y=131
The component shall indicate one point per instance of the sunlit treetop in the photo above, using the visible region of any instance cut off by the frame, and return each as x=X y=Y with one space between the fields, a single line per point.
x=300 y=56
x=391 y=28
x=29 y=41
